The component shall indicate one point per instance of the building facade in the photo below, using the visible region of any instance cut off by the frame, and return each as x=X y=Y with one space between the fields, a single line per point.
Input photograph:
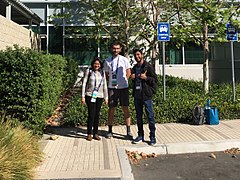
x=13 y=15
x=60 y=40
x=186 y=62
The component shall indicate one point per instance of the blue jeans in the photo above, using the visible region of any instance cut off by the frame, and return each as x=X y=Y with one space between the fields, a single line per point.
x=139 y=103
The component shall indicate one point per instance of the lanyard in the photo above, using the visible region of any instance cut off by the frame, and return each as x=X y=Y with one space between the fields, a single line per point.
x=95 y=81
x=117 y=65
x=138 y=81
x=138 y=71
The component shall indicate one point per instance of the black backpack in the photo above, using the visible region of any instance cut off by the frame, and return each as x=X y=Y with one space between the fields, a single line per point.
x=198 y=115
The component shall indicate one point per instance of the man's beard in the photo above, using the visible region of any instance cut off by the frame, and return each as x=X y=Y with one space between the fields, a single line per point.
x=139 y=60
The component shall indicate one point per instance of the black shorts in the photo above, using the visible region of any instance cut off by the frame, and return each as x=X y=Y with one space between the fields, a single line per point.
x=115 y=95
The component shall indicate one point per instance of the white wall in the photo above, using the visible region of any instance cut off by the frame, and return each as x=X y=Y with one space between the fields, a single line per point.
x=12 y=33
x=188 y=71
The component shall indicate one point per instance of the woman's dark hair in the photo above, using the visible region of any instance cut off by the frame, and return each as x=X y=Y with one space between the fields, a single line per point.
x=97 y=59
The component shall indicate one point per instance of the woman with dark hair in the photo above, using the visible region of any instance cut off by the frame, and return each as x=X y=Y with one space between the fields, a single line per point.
x=94 y=91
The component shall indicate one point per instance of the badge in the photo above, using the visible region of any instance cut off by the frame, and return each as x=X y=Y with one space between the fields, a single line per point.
x=93 y=100
x=138 y=87
x=114 y=80
x=138 y=84
x=94 y=94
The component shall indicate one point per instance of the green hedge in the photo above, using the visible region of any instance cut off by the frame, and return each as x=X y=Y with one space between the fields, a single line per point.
x=181 y=96
x=31 y=84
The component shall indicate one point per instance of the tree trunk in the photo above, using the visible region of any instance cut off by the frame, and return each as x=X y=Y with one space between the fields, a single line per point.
x=154 y=55
x=206 y=59
x=127 y=27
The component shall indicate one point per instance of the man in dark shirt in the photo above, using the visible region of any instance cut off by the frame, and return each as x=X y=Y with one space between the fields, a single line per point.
x=144 y=87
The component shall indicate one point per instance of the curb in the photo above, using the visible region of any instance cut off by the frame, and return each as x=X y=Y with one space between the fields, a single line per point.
x=198 y=147
x=172 y=148
x=124 y=164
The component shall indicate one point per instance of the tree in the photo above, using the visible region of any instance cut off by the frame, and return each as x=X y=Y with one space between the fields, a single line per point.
x=155 y=11
x=116 y=19
x=126 y=20
x=197 y=19
x=132 y=21
x=122 y=15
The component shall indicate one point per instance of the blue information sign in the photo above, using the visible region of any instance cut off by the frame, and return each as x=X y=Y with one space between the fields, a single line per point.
x=232 y=34
x=232 y=37
x=163 y=31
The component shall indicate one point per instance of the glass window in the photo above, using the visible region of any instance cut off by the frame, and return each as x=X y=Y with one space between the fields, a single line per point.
x=174 y=56
x=55 y=9
x=38 y=9
x=81 y=49
x=104 y=48
x=55 y=40
x=40 y=12
x=193 y=54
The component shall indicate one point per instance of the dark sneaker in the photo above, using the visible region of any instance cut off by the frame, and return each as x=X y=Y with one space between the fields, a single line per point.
x=129 y=136
x=109 y=135
x=137 y=140
x=152 y=141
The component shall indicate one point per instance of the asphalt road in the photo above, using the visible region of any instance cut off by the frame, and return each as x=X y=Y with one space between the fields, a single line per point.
x=199 y=166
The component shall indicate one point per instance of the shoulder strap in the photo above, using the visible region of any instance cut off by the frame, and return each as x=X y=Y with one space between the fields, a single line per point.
x=89 y=74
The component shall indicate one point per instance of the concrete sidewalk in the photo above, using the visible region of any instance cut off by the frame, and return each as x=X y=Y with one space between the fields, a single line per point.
x=70 y=156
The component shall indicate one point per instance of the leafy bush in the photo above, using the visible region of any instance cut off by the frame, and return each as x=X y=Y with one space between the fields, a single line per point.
x=19 y=152
x=71 y=72
x=221 y=96
x=31 y=84
x=181 y=96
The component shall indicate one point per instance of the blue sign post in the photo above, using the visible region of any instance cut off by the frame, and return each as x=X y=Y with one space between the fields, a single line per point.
x=232 y=36
x=163 y=31
x=163 y=35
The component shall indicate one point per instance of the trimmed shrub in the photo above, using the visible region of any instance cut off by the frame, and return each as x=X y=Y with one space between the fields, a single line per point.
x=181 y=97
x=71 y=72
x=31 y=83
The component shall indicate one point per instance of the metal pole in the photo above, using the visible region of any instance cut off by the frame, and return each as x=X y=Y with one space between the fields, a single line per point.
x=63 y=34
x=63 y=39
x=163 y=70
x=48 y=32
x=233 y=74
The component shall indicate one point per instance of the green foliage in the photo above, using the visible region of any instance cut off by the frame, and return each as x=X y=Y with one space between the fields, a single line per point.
x=71 y=72
x=181 y=96
x=19 y=152
x=221 y=96
x=76 y=113
x=31 y=84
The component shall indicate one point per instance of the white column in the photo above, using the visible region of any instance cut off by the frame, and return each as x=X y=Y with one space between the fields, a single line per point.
x=8 y=12
x=183 y=54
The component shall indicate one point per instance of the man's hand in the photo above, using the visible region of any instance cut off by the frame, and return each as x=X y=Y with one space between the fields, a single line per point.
x=143 y=76
x=133 y=76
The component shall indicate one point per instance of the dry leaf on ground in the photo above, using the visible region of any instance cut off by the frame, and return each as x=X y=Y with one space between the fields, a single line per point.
x=135 y=156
